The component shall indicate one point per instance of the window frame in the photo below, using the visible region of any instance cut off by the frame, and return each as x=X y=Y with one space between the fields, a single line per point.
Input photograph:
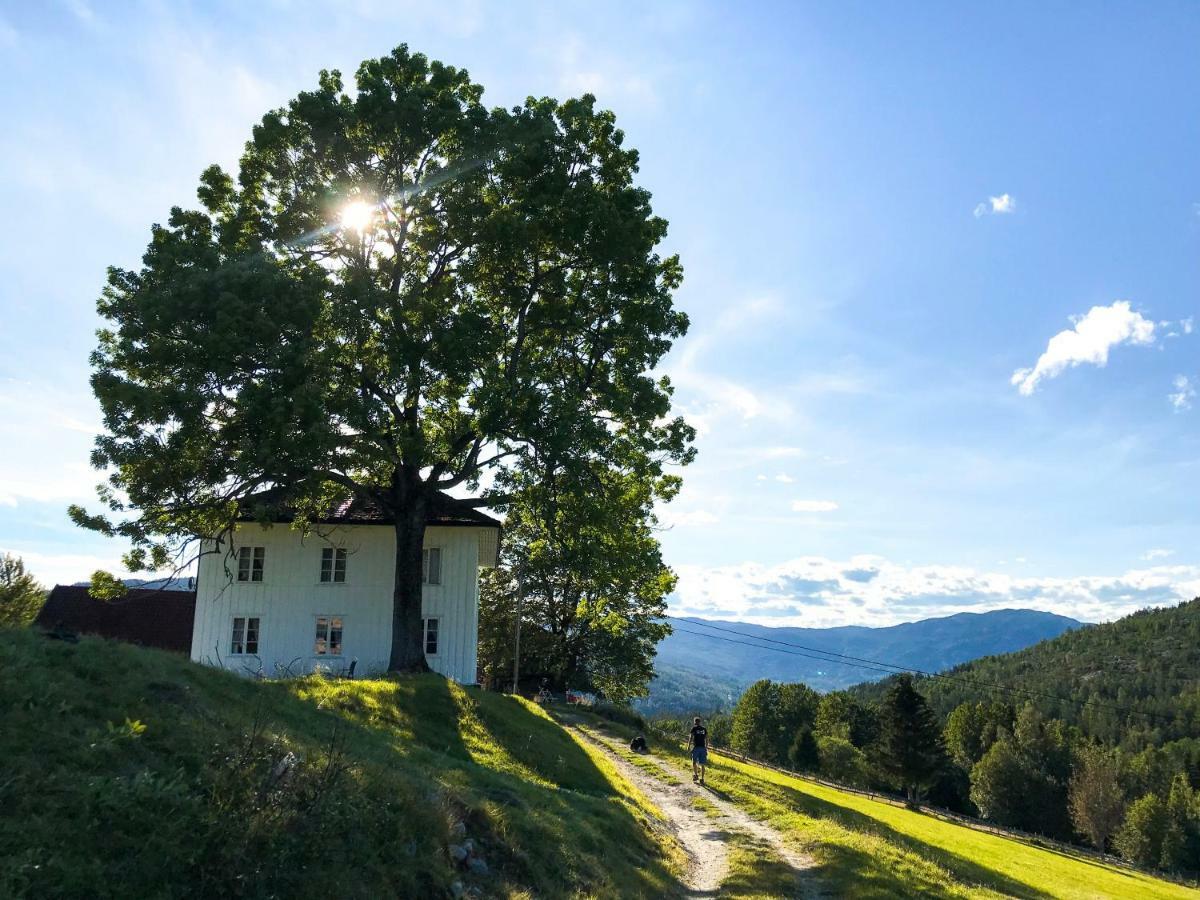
x=245 y=635
x=437 y=630
x=329 y=619
x=427 y=567
x=252 y=561
x=337 y=558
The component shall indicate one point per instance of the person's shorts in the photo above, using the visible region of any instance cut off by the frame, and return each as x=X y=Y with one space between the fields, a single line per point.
x=700 y=755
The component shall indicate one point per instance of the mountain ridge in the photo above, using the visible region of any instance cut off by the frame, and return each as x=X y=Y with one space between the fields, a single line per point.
x=725 y=661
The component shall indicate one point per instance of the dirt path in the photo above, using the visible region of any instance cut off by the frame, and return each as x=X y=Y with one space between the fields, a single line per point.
x=703 y=837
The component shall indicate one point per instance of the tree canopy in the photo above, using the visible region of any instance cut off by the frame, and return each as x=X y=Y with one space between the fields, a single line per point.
x=403 y=291
x=20 y=595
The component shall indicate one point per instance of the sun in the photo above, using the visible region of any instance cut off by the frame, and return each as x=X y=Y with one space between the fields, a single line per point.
x=357 y=215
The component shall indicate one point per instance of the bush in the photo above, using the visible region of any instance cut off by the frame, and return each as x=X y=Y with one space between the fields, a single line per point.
x=841 y=761
x=1140 y=839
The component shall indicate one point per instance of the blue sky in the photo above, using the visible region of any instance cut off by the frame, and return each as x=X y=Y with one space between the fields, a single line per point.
x=888 y=215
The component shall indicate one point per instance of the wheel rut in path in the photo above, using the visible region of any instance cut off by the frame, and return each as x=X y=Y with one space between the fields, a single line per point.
x=705 y=839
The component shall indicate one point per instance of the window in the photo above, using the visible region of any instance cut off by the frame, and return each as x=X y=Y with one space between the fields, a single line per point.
x=431 y=637
x=329 y=636
x=250 y=563
x=245 y=636
x=431 y=565
x=333 y=565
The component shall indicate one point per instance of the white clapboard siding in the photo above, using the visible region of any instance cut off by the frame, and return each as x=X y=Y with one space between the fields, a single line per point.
x=291 y=596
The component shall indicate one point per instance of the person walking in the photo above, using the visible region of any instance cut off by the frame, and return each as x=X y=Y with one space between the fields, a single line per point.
x=698 y=744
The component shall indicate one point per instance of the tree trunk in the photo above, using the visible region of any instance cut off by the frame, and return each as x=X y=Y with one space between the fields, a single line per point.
x=408 y=638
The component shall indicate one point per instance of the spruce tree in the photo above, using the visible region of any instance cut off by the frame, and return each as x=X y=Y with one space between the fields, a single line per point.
x=910 y=750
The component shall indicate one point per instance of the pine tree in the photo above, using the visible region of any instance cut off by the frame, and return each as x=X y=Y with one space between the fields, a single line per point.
x=910 y=750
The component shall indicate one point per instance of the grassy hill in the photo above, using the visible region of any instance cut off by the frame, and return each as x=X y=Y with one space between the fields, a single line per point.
x=135 y=773
x=1133 y=681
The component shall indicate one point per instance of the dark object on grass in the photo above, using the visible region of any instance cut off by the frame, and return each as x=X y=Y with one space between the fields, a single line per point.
x=638 y=744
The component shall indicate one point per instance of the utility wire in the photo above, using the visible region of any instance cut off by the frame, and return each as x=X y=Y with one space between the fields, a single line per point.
x=876 y=665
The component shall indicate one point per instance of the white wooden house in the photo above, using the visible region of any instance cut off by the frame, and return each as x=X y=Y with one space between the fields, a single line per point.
x=276 y=601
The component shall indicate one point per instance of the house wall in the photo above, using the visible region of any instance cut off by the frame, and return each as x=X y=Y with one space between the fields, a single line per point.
x=291 y=596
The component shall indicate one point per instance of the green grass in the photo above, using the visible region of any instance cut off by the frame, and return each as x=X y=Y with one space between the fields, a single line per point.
x=131 y=772
x=871 y=849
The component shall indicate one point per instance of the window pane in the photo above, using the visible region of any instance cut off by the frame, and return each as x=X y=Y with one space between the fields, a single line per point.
x=432 y=566
x=252 y=635
x=335 y=637
x=239 y=633
x=431 y=636
x=339 y=565
x=256 y=573
x=321 y=647
x=243 y=564
x=326 y=564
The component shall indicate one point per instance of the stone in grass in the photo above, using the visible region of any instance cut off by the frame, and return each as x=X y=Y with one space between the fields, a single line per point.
x=478 y=867
x=458 y=829
x=459 y=853
x=457 y=889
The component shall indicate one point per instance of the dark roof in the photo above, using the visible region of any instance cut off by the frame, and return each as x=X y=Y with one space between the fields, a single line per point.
x=152 y=618
x=443 y=510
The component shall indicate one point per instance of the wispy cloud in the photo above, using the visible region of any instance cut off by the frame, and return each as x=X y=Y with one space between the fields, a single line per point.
x=783 y=478
x=688 y=518
x=996 y=206
x=1185 y=392
x=822 y=592
x=1157 y=553
x=813 y=506
x=1089 y=341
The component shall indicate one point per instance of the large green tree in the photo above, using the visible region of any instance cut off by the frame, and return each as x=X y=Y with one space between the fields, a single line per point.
x=580 y=545
x=403 y=291
x=1094 y=796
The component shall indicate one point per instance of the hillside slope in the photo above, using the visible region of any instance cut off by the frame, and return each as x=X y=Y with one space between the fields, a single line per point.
x=131 y=772
x=871 y=849
x=930 y=645
x=1135 y=679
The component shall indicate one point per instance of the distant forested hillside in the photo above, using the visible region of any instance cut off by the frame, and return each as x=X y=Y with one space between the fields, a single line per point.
x=676 y=690
x=1134 y=682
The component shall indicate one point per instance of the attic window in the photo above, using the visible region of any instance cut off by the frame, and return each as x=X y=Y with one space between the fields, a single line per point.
x=250 y=563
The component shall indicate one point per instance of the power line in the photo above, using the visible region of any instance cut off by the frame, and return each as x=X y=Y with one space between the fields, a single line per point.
x=893 y=669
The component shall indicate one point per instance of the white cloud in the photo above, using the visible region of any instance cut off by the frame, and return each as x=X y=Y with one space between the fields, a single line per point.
x=1089 y=341
x=66 y=568
x=1157 y=553
x=47 y=435
x=813 y=506
x=869 y=590
x=693 y=517
x=1183 y=395
x=784 y=479
x=1186 y=325
x=996 y=206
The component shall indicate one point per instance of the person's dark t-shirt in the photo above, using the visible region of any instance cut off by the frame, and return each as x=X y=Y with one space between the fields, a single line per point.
x=699 y=735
